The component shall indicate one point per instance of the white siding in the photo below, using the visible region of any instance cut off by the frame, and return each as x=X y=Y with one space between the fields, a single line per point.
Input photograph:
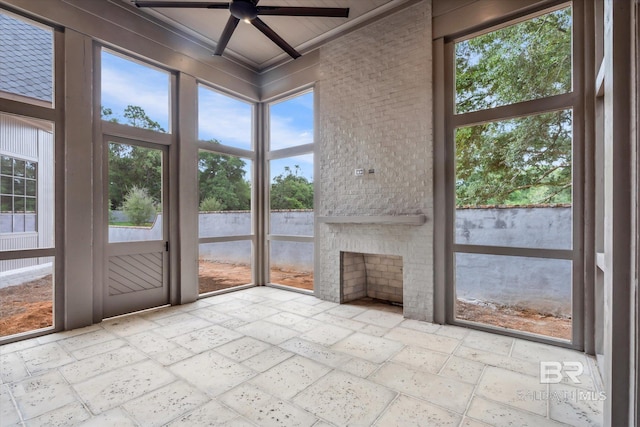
x=46 y=207
x=21 y=139
x=17 y=138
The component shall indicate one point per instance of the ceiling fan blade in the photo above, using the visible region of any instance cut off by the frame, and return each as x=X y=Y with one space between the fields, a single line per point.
x=232 y=23
x=183 y=4
x=327 y=12
x=267 y=31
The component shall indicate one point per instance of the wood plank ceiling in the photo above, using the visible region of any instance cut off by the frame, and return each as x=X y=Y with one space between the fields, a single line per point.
x=252 y=49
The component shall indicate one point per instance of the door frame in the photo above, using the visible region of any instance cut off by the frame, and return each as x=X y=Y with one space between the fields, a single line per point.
x=152 y=140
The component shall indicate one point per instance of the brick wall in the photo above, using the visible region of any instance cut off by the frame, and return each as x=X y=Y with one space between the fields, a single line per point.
x=375 y=112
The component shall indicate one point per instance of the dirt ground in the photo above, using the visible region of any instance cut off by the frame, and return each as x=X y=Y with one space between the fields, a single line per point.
x=29 y=306
x=515 y=318
x=216 y=276
x=26 y=307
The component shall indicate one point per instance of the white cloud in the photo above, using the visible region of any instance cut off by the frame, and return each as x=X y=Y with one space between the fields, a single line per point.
x=223 y=118
x=284 y=133
x=126 y=85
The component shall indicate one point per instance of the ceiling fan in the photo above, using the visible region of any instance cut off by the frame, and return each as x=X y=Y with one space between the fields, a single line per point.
x=248 y=11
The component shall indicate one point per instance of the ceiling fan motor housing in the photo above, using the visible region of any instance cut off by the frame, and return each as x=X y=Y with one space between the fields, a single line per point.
x=243 y=9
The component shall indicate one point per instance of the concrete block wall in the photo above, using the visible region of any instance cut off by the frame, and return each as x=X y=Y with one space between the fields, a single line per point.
x=384 y=277
x=354 y=276
x=375 y=112
x=371 y=275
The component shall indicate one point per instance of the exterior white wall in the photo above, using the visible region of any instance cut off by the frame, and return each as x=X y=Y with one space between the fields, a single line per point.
x=21 y=139
x=375 y=112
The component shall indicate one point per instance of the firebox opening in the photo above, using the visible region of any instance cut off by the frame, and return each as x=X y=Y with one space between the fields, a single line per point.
x=371 y=275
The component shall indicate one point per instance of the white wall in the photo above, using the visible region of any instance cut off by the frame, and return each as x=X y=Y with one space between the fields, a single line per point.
x=23 y=139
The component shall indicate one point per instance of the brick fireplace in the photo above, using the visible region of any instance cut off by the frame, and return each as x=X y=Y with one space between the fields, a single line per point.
x=409 y=244
x=375 y=95
x=371 y=275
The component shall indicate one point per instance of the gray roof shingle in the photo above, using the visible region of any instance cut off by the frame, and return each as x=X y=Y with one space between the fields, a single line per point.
x=26 y=59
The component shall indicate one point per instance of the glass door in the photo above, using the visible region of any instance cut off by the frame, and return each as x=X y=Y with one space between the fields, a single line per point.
x=138 y=248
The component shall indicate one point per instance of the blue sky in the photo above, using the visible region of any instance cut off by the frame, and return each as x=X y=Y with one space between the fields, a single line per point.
x=220 y=117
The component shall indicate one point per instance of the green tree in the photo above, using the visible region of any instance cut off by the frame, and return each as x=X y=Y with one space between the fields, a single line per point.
x=131 y=166
x=138 y=206
x=223 y=179
x=525 y=160
x=211 y=204
x=291 y=190
x=137 y=117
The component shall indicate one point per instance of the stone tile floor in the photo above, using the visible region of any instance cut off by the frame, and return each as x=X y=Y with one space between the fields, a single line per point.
x=269 y=357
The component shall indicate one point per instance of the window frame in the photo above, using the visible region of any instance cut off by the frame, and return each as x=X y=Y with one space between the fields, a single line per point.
x=445 y=123
x=248 y=155
x=283 y=153
x=53 y=113
x=24 y=196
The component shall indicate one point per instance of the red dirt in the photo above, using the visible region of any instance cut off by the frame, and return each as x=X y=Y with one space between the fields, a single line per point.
x=520 y=319
x=26 y=307
x=215 y=276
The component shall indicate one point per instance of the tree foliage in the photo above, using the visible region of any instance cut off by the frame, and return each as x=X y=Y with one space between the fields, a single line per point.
x=211 y=204
x=138 y=206
x=525 y=160
x=291 y=190
x=222 y=182
x=131 y=166
x=223 y=178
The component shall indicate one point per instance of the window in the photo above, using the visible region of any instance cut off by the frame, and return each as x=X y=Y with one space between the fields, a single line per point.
x=512 y=140
x=29 y=297
x=18 y=189
x=227 y=240
x=134 y=93
x=291 y=191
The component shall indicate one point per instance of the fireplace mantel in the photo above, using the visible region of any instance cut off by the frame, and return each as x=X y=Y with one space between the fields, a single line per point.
x=377 y=219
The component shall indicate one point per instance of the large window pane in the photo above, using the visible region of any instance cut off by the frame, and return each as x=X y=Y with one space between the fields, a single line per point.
x=291 y=264
x=26 y=295
x=224 y=195
x=292 y=183
x=135 y=94
x=224 y=265
x=224 y=120
x=135 y=193
x=524 y=294
x=26 y=60
x=521 y=62
x=291 y=122
x=26 y=183
x=522 y=163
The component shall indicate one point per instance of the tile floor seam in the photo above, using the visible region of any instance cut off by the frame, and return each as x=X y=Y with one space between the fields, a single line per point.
x=75 y=393
x=473 y=394
x=15 y=405
x=513 y=344
x=129 y=416
x=516 y=409
x=386 y=409
x=290 y=400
